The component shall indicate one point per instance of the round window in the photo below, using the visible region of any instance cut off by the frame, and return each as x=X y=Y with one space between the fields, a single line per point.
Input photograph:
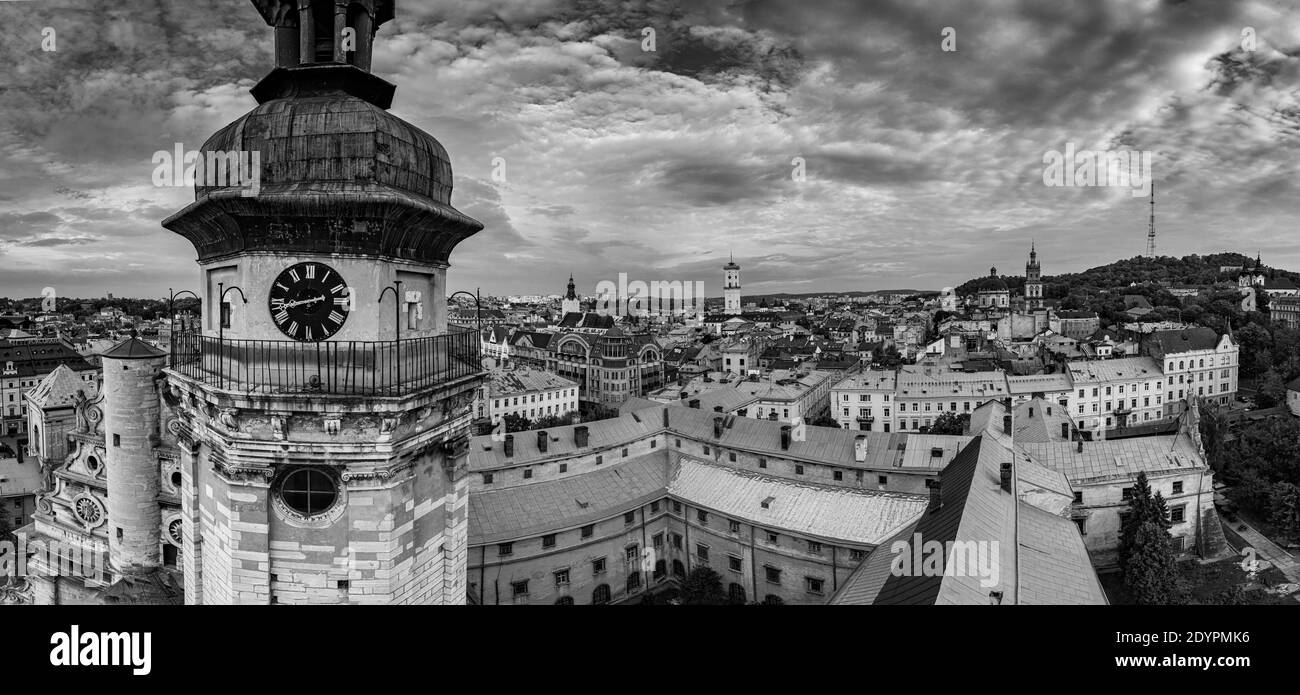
x=92 y=463
x=176 y=478
x=308 y=491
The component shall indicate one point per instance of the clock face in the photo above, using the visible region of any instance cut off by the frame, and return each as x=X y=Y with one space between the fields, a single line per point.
x=310 y=301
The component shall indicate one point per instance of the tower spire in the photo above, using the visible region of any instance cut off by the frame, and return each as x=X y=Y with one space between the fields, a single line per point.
x=1151 y=225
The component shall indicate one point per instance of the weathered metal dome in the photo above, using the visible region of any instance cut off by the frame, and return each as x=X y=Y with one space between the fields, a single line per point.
x=335 y=142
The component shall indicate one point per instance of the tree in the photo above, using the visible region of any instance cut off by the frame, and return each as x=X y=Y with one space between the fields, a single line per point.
x=1271 y=389
x=548 y=421
x=517 y=423
x=950 y=423
x=1284 y=503
x=1146 y=558
x=824 y=421
x=703 y=587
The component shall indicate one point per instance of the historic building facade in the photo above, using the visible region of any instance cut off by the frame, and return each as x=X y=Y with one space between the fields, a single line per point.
x=308 y=446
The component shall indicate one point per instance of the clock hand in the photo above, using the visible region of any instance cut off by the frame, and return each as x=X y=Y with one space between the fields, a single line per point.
x=290 y=305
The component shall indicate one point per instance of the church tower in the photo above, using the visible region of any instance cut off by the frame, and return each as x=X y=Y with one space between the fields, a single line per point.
x=731 y=288
x=1033 y=281
x=570 y=304
x=324 y=407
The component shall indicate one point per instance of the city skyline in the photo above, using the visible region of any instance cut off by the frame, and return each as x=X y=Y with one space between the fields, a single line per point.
x=607 y=147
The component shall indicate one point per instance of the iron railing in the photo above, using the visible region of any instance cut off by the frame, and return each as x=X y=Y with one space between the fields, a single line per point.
x=344 y=367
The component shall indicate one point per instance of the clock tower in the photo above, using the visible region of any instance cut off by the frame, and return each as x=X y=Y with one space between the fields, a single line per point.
x=324 y=406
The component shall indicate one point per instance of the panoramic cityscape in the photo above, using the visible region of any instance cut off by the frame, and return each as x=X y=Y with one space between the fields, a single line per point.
x=714 y=310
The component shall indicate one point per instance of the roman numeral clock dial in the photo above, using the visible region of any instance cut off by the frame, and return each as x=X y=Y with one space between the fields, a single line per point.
x=309 y=302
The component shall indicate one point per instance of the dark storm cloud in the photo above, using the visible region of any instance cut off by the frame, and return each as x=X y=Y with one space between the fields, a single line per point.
x=922 y=165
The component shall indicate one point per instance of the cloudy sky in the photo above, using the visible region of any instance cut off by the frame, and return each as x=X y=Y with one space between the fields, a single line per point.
x=922 y=167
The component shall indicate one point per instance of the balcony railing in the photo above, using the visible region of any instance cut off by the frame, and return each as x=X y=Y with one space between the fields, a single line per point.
x=347 y=368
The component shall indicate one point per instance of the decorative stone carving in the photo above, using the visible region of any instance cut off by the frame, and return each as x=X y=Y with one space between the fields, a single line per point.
x=280 y=425
x=229 y=419
x=176 y=531
x=333 y=423
x=88 y=510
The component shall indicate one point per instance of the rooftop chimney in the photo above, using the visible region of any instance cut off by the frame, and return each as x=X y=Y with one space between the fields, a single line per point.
x=1081 y=445
x=1006 y=477
x=717 y=408
x=717 y=426
x=580 y=434
x=1031 y=411
x=1006 y=424
x=860 y=448
x=785 y=436
x=684 y=395
x=509 y=445
x=772 y=416
x=541 y=441
x=694 y=403
x=936 y=500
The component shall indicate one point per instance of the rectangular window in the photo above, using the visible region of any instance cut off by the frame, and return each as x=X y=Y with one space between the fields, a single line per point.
x=857 y=555
x=702 y=516
x=588 y=530
x=654 y=507
x=762 y=463
x=1178 y=487
x=677 y=541
x=772 y=574
x=814 y=547
x=629 y=518
x=814 y=585
x=1078 y=497
x=561 y=577
x=1176 y=515
x=882 y=480
x=598 y=566
x=1126 y=493
x=838 y=475
x=504 y=549
x=677 y=507
x=632 y=553
x=771 y=537
x=702 y=551
x=600 y=459
x=487 y=478
x=733 y=526
x=658 y=539
x=798 y=469
x=528 y=473
x=548 y=541
x=519 y=588
x=735 y=564
x=731 y=456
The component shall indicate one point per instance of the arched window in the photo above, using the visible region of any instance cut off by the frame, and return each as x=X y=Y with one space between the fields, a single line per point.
x=736 y=593
x=661 y=569
x=679 y=570
x=601 y=595
x=564 y=601
x=772 y=600
x=633 y=582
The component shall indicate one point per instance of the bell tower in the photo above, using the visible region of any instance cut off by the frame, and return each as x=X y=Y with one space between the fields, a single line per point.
x=1033 y=281
x=325 y=403
x=731 y=288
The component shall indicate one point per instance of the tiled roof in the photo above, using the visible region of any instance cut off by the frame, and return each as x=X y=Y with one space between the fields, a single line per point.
x=523 y=380
x=536 y=508
x=1054 y=569
x=17 y=479
x=830 y=445
x=1040 y=557
x=1183 y=340
x=59 y=388
x=851 y=515
x=1119 y=369
x=1116 y=458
